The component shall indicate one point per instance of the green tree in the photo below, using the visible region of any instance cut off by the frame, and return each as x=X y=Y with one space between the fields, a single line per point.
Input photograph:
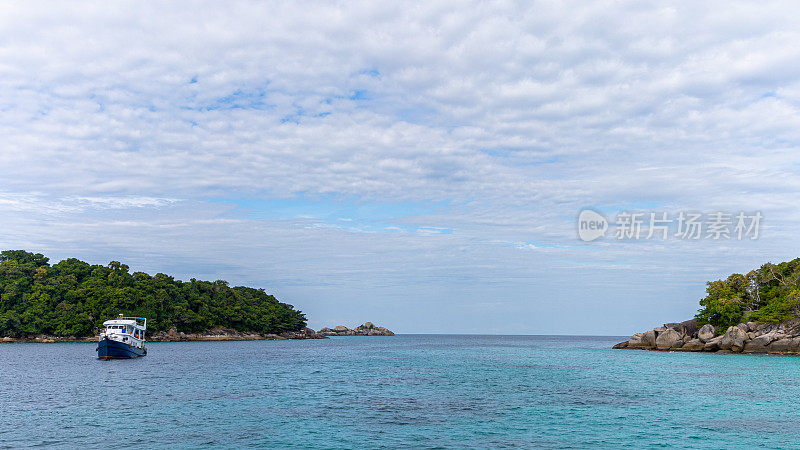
x=73 y=298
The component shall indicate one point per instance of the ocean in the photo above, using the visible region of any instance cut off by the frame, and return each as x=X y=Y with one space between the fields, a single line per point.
x=418 y=391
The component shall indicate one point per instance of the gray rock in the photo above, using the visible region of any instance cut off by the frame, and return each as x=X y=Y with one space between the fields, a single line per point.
x=784 y=345
x=751 y=326
x=642 y=340
x=649 y=339
x=635 y=341
x=679 y=327
x=765 y=339
x=669 y=339
x=712 y=345
x=706 y=332
x=733 y=339
x=695 y=345
x=691 y=326
x=757 y=345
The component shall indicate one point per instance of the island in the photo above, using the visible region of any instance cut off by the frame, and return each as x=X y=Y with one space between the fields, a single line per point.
x=68 y=302
x=754 y=313
x=367 y=329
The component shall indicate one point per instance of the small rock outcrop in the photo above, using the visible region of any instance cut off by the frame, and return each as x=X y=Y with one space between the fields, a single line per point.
x=367 y=329
x=733 y=339
x=669 y=339
x=750 y=337
x=707 y=332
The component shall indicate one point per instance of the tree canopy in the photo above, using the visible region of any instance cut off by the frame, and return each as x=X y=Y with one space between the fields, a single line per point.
x=73 y=298
x=770 y=293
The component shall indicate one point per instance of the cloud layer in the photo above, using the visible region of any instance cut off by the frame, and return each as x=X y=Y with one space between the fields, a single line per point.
x=456 y=141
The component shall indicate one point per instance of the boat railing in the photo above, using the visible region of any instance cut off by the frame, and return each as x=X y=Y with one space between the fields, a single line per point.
x=144 y=326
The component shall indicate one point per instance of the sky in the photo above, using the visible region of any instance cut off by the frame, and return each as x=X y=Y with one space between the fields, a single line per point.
x=420 y=165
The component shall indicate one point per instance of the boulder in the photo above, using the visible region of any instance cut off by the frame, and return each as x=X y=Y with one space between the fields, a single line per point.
x=751 y=326
x=341 y=329
x=679 y=327
x=706 y=332
x=764 y=340
x=649 y=339
x=733 y=339
x=635 y=341
x=712 y=344
x=643 y=340
x=380 y=331
x=757 y=345
x=621 y=345
x=669 y=339
x=785 y=345
x=691 y=327
x=762 y=328
x=695 y=345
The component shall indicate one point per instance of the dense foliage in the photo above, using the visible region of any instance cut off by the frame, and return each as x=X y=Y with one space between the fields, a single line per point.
x=768 y=294
x=73 y=298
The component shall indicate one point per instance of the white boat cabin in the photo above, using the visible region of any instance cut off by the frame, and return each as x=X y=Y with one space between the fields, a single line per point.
x=127 y=330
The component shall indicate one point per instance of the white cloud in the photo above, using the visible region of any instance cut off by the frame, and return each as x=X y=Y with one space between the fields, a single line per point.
x=515 y=115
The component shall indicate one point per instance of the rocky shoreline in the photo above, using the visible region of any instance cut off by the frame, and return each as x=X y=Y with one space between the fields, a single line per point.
x=216 y=334
x=751 y=337
x=367 y=329
x=221 y=334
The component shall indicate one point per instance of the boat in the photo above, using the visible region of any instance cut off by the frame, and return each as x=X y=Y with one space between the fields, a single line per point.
x=122 y=337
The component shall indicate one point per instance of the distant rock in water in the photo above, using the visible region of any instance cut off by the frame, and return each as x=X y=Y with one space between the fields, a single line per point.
x=368 y=329
x=750 y=337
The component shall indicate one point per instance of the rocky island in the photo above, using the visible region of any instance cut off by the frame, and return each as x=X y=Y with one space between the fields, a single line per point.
x=68 y=302
x=750 y=337
x=367 y=329
x=173 y=335
x=754 y=313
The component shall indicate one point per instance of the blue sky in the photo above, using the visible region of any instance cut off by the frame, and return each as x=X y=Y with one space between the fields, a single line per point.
x=420 y=166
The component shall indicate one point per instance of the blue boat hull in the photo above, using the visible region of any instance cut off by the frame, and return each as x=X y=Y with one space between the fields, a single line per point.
x=108 y=349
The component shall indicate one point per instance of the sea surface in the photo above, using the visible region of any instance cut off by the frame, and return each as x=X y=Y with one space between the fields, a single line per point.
x=412 y=391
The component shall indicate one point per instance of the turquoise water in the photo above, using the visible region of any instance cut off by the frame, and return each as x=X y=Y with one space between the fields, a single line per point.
x=403 y=391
